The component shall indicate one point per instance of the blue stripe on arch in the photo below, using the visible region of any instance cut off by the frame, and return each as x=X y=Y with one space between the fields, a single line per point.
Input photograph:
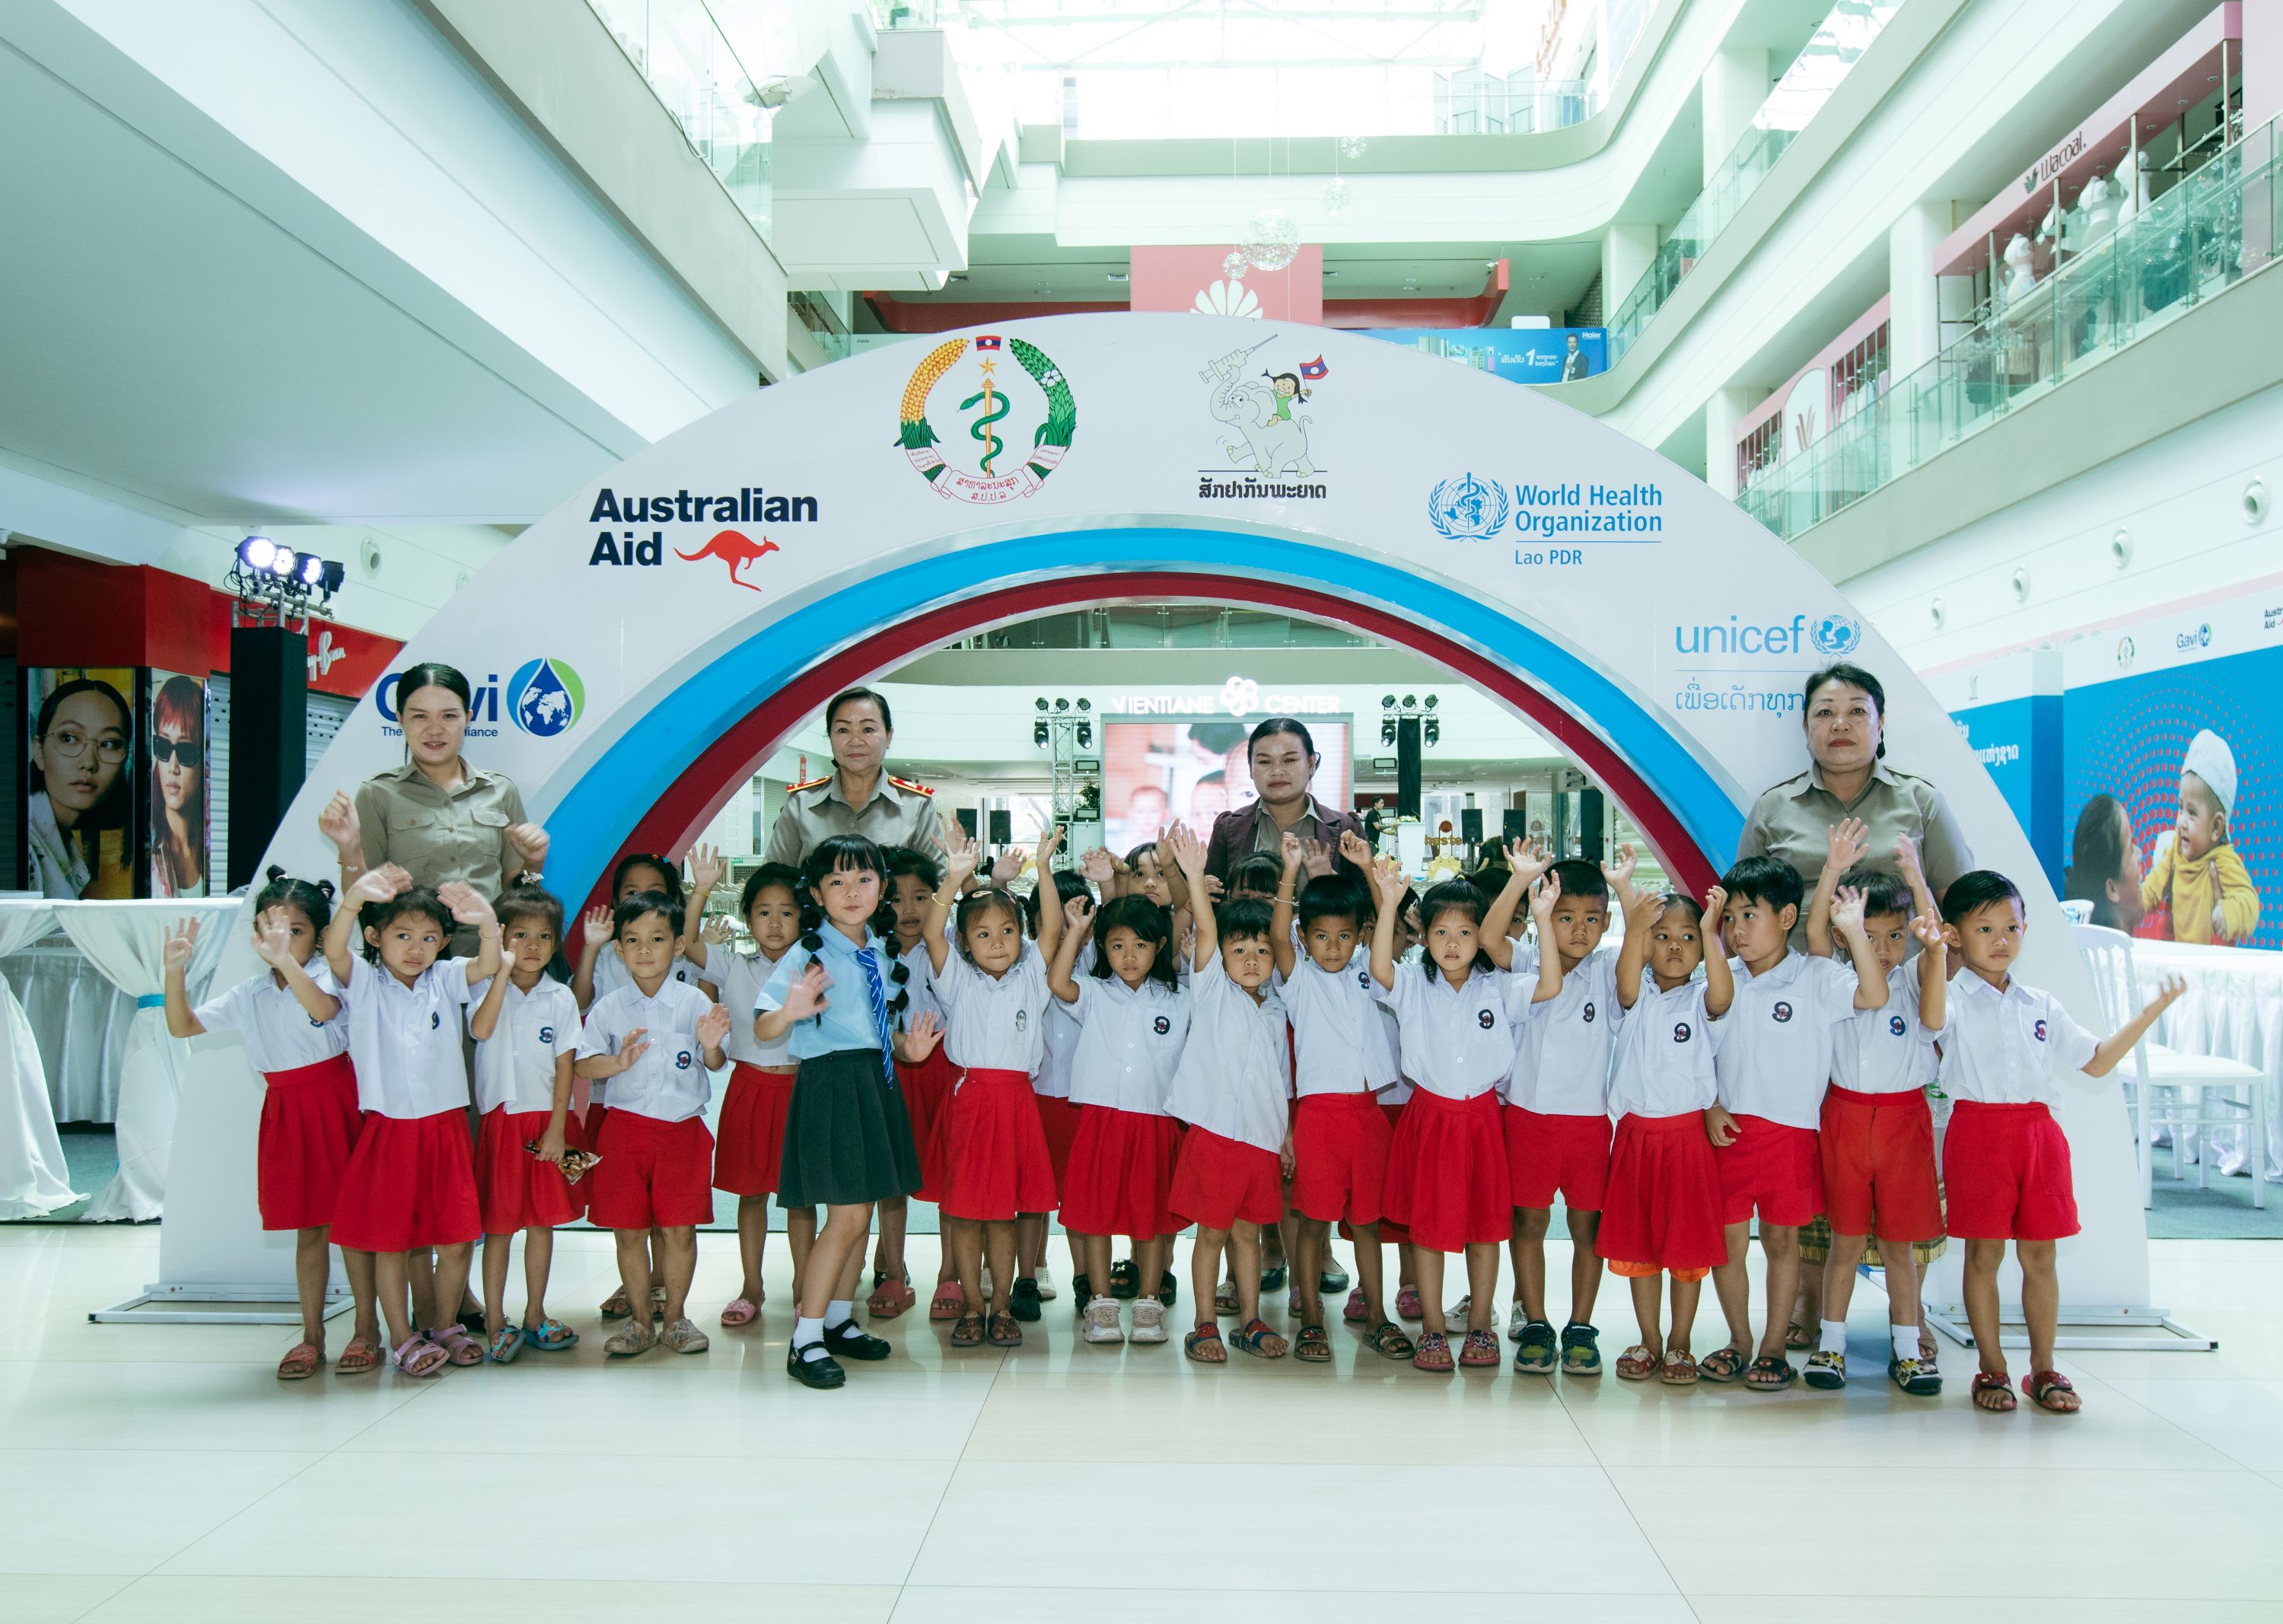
x=596 y=816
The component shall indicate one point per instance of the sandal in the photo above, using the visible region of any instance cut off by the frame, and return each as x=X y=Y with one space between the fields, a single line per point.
x=891 y=1297
x=1796 y=1335
x=948 y=1303
x=460 y=1348
x=1432 y=1353
x=1638 y=1362
x=1204 y=1345
x=658 y=1302
x=1355 y=1312
x=1721 y=1365
x=505 y=1345
x=1680 y=1370
x=638 y=1338
x=1770 y=1373
x=2050 y=1391
x=1387 y=1339
x=1314 y=1346
x=684 y=1337
x=549 y=1336
x=615 y=1306
x=1169 y=1290
x=969 y=1331
x=1256 y=1338
x=1125 y=1280
x=1225 y=1297
x=1827 y=1371
x=1480 y=1348
x=1914 y=1376
x=419 y=1357
x=740 y=1311
x=300 y=1362
x=1005 y=1332
x=1407 y=1303
x=360 y=1357
x=1992 y=1392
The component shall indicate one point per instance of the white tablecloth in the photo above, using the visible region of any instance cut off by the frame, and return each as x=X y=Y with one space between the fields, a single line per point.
x=2232 y=1008
x=33 y=1178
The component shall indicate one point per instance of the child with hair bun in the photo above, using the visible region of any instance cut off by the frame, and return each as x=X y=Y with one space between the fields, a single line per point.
x=298 y=1039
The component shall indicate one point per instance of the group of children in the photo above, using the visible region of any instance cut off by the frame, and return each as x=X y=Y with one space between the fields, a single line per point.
x=1143 y=1047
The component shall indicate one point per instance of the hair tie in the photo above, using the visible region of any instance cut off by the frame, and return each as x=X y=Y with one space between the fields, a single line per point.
x=901 y=973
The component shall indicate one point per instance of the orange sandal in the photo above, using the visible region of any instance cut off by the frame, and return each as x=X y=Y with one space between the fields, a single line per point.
x=1638 y=1362
x=300 y=1362
x=361 y=1357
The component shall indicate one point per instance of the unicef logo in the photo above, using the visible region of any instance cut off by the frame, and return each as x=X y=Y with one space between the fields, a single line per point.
x=545 y=697
x=1467 y=509
x=1837 y=635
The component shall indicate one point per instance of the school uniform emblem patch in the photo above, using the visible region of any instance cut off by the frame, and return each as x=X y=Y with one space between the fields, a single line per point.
x=436 y=1020
x=2040 y=1031
x=1589 y=1012
x=681 y=1060
x=1022 y=1021
x=1782 y=1012
x=1682 y=1032
x=1897 y=1024
x=547 y=1034
x=1487 y=1020
x=1161 y=1026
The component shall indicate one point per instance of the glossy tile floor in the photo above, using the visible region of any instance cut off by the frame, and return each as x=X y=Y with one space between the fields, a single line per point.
x=152 y=1472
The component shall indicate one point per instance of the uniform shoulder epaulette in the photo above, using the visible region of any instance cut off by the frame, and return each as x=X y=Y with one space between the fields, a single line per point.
x=906 y=784
x=812 y=784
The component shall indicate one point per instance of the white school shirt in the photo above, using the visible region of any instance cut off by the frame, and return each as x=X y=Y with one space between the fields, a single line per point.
x=1457 y=1042
x=1563 y=1046
x=1889 y=1051
x=668 y=1082
x=921 y=985
x=1129 y=1043
x=280 y=1035
x=995 y=1023
x=1663 y=1064
x=515 y=1066
x=405 y=1041
x=1052 y=1079
x=611 y=975
x=739 y=978
x=1775 y=1055
x=2008 y=1048
x=1235 y=1072
x=1341 y=1036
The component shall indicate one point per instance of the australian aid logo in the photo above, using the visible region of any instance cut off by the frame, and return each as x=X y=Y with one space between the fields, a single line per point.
x=738 y=551
x=1008 y=417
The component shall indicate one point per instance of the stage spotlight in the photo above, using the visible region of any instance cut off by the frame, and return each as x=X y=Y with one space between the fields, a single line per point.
x=312 y=570
x=330 y=581
x=1431 y=701
x=1434 y=730
x=1085 y=733
x=1042 y=704
x=255 y=551
x=1387 y=730
x=1388 y=703
x=1085 y=705
x=1410 y=701
x=1039 y=734
x=1061 y=705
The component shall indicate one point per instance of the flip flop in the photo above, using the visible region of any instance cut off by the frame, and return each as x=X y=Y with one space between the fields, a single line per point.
x=549 y=1336
x=1770 y=1365
x=740 y=1311
x=1996 y=1388
x=1433 y=1353
x=300 y=1362
x=1387 y=1339
x=615 y=1306
x=1356 y=1312
x=361 y=1357
x=505 y=1345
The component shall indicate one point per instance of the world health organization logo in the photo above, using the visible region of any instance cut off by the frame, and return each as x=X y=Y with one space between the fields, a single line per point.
x=1837 y=635
x=1467 y=509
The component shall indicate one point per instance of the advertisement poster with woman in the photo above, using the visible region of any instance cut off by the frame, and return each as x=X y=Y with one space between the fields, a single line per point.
x=79 y=830
x=179 y=798
x=1157 y=773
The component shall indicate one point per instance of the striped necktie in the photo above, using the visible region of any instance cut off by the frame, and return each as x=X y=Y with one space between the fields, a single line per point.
x=877 y=988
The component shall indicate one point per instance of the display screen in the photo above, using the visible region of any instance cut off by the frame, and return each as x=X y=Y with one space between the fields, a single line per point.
x=1154 y=773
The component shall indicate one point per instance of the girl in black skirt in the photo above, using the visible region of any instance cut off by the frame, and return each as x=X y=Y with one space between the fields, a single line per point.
x=837 y=999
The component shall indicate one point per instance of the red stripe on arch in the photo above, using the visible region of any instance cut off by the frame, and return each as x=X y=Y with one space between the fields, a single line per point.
x=706 y=784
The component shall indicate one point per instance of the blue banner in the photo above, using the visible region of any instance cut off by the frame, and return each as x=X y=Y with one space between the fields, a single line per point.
x=1524 y=354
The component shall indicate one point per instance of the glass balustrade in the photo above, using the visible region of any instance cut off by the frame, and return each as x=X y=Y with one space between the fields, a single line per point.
x=688 y=65
x=2216 y=226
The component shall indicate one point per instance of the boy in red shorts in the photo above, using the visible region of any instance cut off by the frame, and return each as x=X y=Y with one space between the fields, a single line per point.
x=1876 y=1140
x=2005 y=1159
x=1773 y=1061
x=654 y=1039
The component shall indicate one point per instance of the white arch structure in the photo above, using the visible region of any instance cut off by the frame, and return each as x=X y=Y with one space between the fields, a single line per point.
x=634 y=669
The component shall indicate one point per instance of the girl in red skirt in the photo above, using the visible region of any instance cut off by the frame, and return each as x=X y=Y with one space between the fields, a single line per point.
x=912 y=877
x=1446 y=1170
x=994 y=999
x=1050 y=1087
x=1133 y=1020
x=411 y=1185
x=1663 y=1212
x=296 y=1038
x=525 y=1025
x=749 y=1137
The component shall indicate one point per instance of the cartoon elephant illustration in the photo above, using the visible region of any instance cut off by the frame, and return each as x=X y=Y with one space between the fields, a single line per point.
x=1273 y=442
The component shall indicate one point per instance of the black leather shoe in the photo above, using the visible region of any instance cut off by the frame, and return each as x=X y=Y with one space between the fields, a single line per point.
x=823 y=1374
x=1169 y=1290
x=849 y=1338
x=1023 y=1302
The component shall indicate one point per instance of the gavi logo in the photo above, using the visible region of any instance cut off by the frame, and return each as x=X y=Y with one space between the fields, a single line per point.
x=483 y=706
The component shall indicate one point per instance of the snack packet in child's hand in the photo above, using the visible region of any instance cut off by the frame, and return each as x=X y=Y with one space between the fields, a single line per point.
x=577 y=1164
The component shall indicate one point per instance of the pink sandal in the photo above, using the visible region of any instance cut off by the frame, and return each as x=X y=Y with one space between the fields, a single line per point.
x=460 y=1348
x=740 y=1311
x=1406 y=1304
x=948 y=1303
x=888 y=1298
x=419 y=1357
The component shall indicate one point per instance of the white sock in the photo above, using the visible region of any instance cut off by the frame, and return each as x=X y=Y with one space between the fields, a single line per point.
x=1906 y=1340
x=807 y=1331
x=1835 y=1336
x=839 y=1311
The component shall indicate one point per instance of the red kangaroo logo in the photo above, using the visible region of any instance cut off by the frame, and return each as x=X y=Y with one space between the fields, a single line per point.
x=735 y=550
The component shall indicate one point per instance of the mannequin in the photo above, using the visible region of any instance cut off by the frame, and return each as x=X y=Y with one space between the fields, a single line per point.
x=2099 y=202
x=2132 y=185
x=2019 y=277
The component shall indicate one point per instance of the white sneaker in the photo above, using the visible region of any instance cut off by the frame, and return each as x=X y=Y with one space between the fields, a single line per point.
x=986 y=1282
x=1046 y=1284
x=1516 y=1319
x=1101 y=1322
x=1148 y=1320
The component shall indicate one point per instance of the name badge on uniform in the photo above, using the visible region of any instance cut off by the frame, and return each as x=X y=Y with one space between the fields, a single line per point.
x=1022 y=1021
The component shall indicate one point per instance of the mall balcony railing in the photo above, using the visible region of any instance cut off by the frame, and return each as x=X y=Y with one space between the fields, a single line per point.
x=2219 y=225
x=689 y=65
x=1830 y=54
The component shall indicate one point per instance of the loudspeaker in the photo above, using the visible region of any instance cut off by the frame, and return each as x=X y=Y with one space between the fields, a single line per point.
x=1589 y=824
x=1406 y=766
x=268 y=733
x=966 y=816
x=1002 y=827
x=1516 y=826
x=1470 y=825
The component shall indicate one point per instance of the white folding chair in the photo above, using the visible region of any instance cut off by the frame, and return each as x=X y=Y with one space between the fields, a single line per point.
x=2187 y=1094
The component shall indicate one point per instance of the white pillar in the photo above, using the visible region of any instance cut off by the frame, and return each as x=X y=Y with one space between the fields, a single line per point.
x=1722 y=413
x=1914 y=326
x=1734 y=88
x=1628 y=249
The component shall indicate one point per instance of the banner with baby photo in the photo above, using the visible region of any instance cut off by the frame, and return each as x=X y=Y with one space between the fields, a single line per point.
x=2170 y=761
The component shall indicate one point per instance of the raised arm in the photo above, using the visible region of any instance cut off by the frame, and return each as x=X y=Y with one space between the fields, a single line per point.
x=1078 y=914
x=1387 y=879
x=1544 y=895
x=273 y=945
x=1620 y=875
x=706 y=870
x=373 y=885
x=468 y=908
x=1051 y=903
x=594 y=932
x=1641 y=915
x=1933 y=969
x=959 y=859
x=1719 y=981
x=631 y=1047
x=1843 y=846
x=804 y=1000
x=174 y=947
x=483 y=1020
x=1280 y=927
x=340 y=823
x=1190 y=858
x=1906 y=864
x=2119 y=1044
x=1847 y=914
x=713 y=1027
